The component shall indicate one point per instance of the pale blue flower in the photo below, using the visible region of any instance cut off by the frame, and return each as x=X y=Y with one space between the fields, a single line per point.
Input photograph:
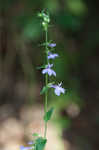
x=48 y=70
x=31 y=143
x=25 y=148
x=28 y=147
x=52 y=45
x=51 y=55
x=58 y=89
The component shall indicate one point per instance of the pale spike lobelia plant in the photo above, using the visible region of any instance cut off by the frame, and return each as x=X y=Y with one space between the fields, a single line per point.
x=40 y=142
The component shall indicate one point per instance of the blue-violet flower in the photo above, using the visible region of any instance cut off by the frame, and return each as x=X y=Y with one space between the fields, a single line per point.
x=51 y=55
x=52 y=45
x=49 y=70
x=58 y=89
x=25 y=148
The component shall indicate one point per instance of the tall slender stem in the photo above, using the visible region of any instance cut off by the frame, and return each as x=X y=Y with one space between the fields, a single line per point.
x=46 y=80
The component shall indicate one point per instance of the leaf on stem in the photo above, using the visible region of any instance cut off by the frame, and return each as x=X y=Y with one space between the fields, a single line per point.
x=41 y=67
x=48 y=115
x=40 y=143
x=35 y=134
x=44 y=90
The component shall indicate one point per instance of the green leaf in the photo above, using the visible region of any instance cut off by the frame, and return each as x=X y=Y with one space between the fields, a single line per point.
x=48 y=115
x=44 y=44
x=40 y=143
x=35 y=134
x=45 y=88
x=43 y=66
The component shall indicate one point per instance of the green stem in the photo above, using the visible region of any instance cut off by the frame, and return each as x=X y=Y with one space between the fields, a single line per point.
x=46 y=81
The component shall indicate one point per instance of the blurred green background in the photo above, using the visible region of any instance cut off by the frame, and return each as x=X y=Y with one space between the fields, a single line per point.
x=75 y=30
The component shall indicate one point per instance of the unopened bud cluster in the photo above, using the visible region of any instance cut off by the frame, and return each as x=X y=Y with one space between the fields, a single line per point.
x=45 y=21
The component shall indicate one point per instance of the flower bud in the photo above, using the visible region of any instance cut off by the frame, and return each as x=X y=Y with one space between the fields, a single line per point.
x=44 y=24
x=46 y=19
x=44 y=15
x=39 y=15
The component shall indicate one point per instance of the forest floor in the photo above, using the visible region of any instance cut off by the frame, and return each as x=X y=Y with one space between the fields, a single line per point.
x=15 y=132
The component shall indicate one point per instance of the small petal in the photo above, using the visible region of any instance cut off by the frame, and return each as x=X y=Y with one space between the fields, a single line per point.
x=54 y=73
x=57 y=92
x=49 y=72
x=52 y=45
x=49 y=65
x=31 y=142
x=52 y=86
x=44 y=71
x=60 y=84
x=25 y=148
x=52 y=56
x=62 y=90
x=55 y=55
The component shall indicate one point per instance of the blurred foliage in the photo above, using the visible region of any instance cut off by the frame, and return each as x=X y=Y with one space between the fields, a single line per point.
x=76 y=7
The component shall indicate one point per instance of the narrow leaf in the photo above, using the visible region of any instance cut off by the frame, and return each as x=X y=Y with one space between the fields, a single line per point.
x=45 y=88
x=48 y=115
x=40 y=67
x=35 y=134
x=40 y=143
